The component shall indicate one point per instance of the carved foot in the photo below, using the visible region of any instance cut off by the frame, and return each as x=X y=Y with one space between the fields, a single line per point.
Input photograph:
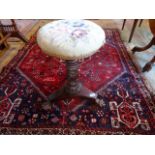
x=147 y=67
x=137 y=49
x=100 y=102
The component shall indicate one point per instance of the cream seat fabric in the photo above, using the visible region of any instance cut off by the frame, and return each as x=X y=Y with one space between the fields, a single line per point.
x=70 y=39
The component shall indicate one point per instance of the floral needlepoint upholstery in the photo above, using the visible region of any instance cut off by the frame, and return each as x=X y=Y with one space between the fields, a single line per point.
x=71 y=39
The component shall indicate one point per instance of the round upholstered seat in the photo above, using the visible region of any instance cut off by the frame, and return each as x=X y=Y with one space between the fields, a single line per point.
x=70 y=39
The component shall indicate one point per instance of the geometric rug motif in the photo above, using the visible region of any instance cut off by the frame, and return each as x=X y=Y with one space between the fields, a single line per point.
x=32 y=76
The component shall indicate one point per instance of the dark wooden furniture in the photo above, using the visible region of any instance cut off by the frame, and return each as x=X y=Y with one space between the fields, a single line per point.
x=73 y=87
x=133 y=27
x=3 y=44
x=148 y=65
x=10 y=31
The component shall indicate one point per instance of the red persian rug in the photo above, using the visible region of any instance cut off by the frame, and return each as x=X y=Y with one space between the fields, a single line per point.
x=31 y=76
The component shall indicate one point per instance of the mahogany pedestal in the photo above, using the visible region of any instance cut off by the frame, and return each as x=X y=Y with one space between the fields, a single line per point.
x=73 y=87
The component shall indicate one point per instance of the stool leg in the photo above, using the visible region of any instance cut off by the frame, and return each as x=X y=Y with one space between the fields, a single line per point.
x=73 y=87
x=57 y=95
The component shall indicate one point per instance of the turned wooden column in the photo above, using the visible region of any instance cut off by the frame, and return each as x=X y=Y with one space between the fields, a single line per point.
x=72 y=85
